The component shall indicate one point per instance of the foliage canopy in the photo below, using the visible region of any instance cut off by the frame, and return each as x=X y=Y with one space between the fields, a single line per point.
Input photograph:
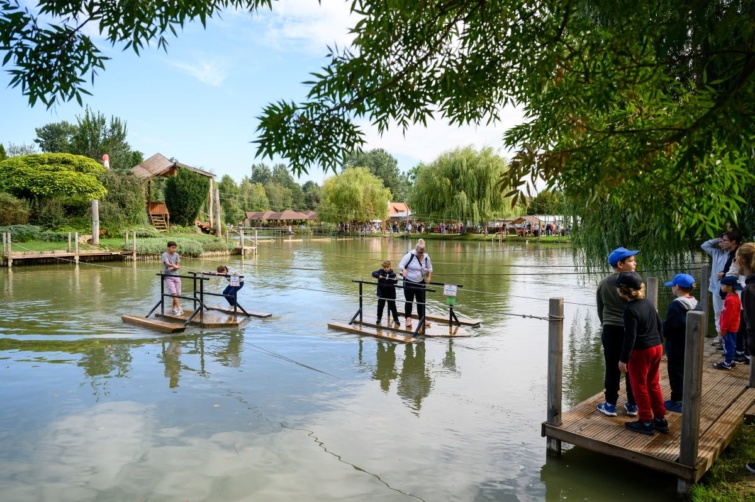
x=49 y=175
x=461 y=185
x=355 y=195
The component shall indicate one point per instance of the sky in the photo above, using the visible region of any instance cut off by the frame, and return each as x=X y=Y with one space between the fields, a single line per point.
x=199 y=102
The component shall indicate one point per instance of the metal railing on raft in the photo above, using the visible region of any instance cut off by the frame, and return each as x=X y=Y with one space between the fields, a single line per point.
x=197 y=296
x=452 y=319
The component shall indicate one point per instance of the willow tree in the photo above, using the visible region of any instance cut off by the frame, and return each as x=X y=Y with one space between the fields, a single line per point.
x=354 y=196
x=461 y=185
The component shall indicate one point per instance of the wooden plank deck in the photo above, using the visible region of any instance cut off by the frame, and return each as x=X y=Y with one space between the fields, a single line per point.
x=436 y=329
x=725 y=400
x=165 y=327
x=210 y=320
x=360 y=329
x=465 y=321
x=227 y=310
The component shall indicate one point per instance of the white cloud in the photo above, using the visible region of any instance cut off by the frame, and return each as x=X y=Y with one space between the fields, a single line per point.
x=210 y=72
x=308 y=26
x=427 y=143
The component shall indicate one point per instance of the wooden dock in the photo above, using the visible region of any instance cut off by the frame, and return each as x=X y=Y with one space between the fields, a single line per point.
x=438 y=328
x=715 y=403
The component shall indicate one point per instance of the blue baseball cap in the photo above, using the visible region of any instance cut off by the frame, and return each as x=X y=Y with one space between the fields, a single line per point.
x=730 y=280
x=683 y=281
x=620 y=254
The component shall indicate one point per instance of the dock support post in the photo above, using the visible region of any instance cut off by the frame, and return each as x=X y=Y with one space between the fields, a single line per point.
x=10 y=250
x=241 y=242
x=68 y=249
x=133 y=251
x=95 y=222
x=693 y=384
x=704 y=283
x=76 y=248
x=555 y=369
x=652 y=291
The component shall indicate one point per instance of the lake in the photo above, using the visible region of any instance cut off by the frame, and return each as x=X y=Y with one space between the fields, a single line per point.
x=286 y=409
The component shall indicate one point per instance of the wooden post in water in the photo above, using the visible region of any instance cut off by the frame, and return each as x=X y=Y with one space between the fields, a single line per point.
x=76 y=248
x=692 y=396
x=10 y=250
x=133 y=251
x=704 y=283
x=652 y=291
x=69 y=242
x=241 y=242
x=555 y=368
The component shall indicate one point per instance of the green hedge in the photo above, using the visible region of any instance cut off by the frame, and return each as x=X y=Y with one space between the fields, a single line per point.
x=186 y=247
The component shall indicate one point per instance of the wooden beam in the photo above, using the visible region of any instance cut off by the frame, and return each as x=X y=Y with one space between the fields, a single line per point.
x=165 y=327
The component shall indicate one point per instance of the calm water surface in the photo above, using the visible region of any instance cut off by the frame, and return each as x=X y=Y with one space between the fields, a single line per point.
x=285 y=409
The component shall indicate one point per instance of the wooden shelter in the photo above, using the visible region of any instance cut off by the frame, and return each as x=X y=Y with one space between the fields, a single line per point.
x=160 y=166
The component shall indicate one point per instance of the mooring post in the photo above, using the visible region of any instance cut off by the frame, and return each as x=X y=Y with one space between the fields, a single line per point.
x=704 y=283
x=652 y=291
x=76 y=248
x=95 y=222
x=69 y=243
x=555 y=369
x=10 y=250
x=241 y=241
x=133 y=251
x=692 y=395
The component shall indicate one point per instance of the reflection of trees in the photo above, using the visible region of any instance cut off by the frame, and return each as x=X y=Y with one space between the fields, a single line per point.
x=385 y=368
x=230 y=355
x=106 y=360
x=583 y=361
x=414 y=381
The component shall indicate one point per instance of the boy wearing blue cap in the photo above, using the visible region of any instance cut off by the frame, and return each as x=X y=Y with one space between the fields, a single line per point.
x=730 y=317
x=675 y=330
x=610 y=312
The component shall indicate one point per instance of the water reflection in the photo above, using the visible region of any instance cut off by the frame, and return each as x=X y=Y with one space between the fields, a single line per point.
x=385 y=367
x=414 y=381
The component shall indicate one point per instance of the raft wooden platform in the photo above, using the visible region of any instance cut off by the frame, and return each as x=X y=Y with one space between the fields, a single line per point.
x=725 y=398
x=261 y=315
x=210 y=320
x=360 y=329
x=437 y=329
x=165 y=327
x=464 y=321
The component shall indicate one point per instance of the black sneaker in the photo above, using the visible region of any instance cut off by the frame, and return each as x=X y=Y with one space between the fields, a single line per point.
x=723 y=365
x=642 y=428
x=660 y=424
x=397 y=323
x=379 y=321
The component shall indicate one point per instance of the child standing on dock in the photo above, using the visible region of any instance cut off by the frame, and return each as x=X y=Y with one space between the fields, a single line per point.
x=729 y=321
x=386 y=292
x=610 y=312
x=171 y=263
x=234 y=283
x=641 y=354
x=675 y=332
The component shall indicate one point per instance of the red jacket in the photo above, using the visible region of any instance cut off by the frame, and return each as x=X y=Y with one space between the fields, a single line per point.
x=731 y=313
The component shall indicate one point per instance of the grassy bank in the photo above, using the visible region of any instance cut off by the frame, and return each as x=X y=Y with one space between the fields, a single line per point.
x=728 y=480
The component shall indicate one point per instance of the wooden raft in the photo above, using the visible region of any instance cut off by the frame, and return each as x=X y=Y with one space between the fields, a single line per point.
x=725 y=400
x=165 y=327
x=437 y=329
x=227 y=310
x=210 y=320
x=360 y=329
x=464 y=321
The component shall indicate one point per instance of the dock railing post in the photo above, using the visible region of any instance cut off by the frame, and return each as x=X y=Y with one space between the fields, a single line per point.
x=652 y=291
x=704 y=283
x=692 y=395
x=555 y=368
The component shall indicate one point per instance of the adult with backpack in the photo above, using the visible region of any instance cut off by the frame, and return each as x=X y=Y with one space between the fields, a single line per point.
x=417 y=270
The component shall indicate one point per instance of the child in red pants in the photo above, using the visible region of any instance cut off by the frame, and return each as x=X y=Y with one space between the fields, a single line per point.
x=641 y=354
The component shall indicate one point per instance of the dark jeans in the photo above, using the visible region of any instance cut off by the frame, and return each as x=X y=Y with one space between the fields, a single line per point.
x=230 y=293
x=414 y=291
x=613 y=339
x=742 y=336
x=392 y=311
x=675 y=355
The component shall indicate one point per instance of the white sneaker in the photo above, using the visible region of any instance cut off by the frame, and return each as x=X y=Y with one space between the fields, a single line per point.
x=173 y=311
x=179 y=312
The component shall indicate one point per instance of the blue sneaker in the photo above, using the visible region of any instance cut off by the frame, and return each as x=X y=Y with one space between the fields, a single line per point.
x=675 y=406
x=607 y=409
x=631 y=409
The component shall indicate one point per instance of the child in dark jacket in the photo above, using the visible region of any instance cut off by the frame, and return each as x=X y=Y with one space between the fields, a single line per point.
x=386 y=292
x=641 y=354
x=730 y=317
x=675 y=331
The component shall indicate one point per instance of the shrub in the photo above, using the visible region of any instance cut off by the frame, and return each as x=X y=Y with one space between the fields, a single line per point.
x=14 y=211
x=217 y=245
x=186 y=247
x=21 y=233
x=184 y=195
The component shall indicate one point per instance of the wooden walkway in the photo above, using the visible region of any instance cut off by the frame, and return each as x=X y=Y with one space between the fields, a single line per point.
x=725 y=398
